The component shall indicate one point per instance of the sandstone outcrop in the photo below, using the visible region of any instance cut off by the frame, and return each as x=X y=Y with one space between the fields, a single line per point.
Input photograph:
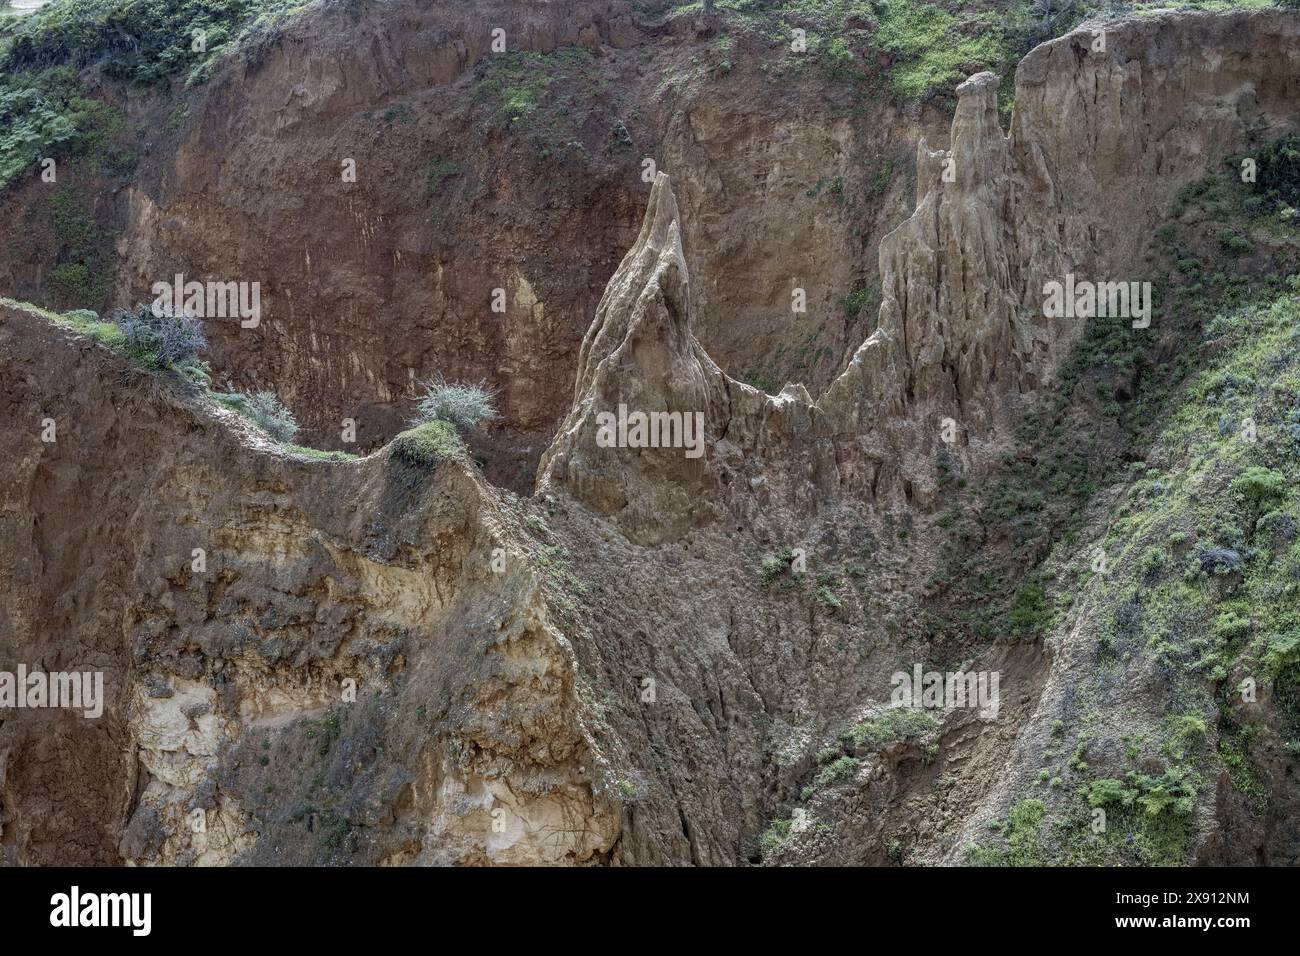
x=603 y=673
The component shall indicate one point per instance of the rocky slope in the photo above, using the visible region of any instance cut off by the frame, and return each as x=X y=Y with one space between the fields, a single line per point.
x=656 y=656
x=476 y=171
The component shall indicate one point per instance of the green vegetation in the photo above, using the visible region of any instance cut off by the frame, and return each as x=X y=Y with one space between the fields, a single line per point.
x=165 y=344
x=1022 y=828
x=464 y=406
x=82 y=321
x=265 y=410
x=515 y=83
x=930 y=47
x=880 y=182
x=775 y=837
x=143 y=42
x=1116 y=388
x=935 y=48
x=1197 y=451
x=45 y=114
x=82 y=272
x=774 y=567
x=325 y=732
x=319 y=454
x=835 y=772
x=868 y=297
x=1258 y=488
x=441 y=169
x=567 y=588
x=890 y=726
x=47 y=111
x=428 y=444
x=895 y=724
x=1028 y=616
x=162 y=343
x=827 y=597
x=1210 y=617
x=763 y=381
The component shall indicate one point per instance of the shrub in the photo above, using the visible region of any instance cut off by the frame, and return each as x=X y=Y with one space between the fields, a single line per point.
x=619 y=137
x=1216 y=560
x=78 y=282
x=1022 y=832
x=162 y=341
x=269 y=413
x=1233 y=242
x=464 y=406
x=775 y=566
x=1278 y=525
x=1028 y=615
x=1110 y=793
x=429 y=443
x=836 y=771
x=896 y=723
x=828 y=598
x=1257 y=488
x=774 y=837
x=1151 y=563
x=858 y=299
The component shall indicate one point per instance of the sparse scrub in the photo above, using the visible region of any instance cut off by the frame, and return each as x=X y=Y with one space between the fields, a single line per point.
x=835 y=772
x=894 y=724
x=774 y=837
x=428 y=444
x=463 y=406
x=859 y=299
x=161 y=341
x=774 y=567
x=270 y=414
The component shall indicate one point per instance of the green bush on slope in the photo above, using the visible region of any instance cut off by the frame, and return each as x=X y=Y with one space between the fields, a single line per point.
x=45 y=109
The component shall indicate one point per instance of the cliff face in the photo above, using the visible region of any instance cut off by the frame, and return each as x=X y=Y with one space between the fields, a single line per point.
x=607 y=672
x=962 y=333
x=222 y=675
x=477 y=171
x=1100 y=144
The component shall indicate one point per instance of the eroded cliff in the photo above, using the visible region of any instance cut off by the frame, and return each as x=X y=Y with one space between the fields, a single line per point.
x=645 y=662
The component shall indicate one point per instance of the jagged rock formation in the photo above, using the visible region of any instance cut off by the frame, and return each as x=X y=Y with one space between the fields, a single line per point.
x=390 y=279
x=961 y=333
x=595 y=675
x=641 y=354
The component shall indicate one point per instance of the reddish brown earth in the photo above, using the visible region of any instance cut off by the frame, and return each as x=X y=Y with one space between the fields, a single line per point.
x=503 y=644
x=368 y=287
